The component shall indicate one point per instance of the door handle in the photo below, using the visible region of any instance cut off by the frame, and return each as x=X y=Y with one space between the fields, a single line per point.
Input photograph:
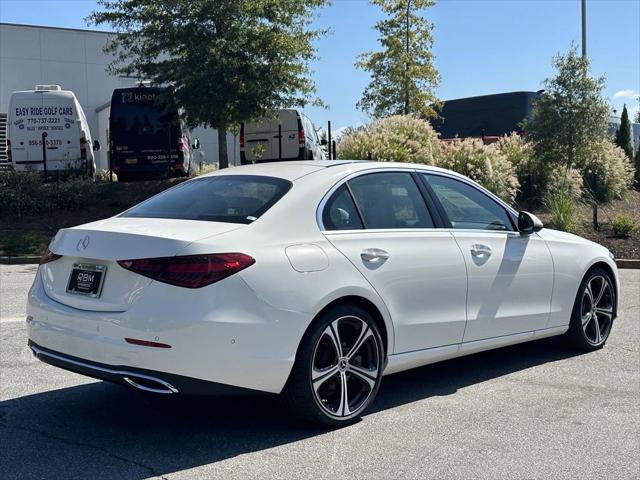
x=374 y=255
x=480 y=251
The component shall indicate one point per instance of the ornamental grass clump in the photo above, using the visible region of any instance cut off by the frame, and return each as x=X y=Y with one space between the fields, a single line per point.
x=562 y=207
x=608 y=173
x=399 y=138
x=485 y=164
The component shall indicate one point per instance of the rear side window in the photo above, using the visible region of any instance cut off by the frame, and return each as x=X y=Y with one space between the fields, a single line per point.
x=225 y=198
x=390 y=200
x=340 y=213
x=467 y=207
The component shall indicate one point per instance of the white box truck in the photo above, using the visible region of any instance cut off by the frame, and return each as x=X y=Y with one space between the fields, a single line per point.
x=47 y=131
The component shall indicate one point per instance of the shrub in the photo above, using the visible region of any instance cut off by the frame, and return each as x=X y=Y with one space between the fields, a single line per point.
x=531 y=177
x=485 y=164
x=71 y=193
x=567 y=180
x=608 y=174
x=20 y=193
x=400 y=138
x=623 y=225
x=26 y=193
x=562 y=207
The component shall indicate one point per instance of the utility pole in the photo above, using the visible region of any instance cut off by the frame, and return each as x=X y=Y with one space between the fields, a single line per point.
x=583 y=5
x=584 y=28
x=406 y=65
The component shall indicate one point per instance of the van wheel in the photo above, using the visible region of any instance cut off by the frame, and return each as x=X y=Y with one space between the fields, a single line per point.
x=592 y=315
x=338 y=369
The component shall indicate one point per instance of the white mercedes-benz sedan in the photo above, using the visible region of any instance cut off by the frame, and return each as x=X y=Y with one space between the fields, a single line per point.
x=313 y=279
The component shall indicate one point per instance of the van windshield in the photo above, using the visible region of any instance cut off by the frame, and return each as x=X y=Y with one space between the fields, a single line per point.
x=225 y=198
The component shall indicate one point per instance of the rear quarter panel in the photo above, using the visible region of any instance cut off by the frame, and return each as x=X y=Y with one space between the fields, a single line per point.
x=274 y=278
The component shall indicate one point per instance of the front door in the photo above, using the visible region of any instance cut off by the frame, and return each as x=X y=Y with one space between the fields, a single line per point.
x=510 y=275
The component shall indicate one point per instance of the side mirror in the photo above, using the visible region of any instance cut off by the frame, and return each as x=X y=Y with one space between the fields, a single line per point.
x=323 y=141
x=528 y=223
x=196 y=144
x=96 y=145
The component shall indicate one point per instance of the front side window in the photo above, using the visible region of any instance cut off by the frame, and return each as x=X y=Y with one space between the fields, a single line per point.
x=224 y=198
x=390 y=200
x=467 y=207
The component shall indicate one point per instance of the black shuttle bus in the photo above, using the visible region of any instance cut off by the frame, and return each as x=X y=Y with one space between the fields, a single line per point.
x=147 y=138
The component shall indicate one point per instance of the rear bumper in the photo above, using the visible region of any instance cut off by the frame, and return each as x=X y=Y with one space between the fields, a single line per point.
x=139 y=378
x=213 y=340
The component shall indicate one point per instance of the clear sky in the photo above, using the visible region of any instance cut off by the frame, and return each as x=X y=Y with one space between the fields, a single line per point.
x=481 y=46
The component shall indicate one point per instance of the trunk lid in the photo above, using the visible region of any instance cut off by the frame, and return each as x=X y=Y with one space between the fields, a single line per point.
x=101 y=244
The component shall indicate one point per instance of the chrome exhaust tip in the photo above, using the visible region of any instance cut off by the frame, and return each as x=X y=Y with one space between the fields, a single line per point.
x=150 y=384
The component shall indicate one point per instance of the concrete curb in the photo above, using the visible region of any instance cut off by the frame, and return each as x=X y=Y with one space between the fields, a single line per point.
x=23 y=259
x=32 y=259
x=628 y=263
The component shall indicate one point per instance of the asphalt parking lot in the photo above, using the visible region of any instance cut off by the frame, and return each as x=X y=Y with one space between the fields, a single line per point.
x=535 y=410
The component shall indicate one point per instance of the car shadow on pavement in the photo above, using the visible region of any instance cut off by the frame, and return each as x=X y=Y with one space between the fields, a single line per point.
x=99 y=430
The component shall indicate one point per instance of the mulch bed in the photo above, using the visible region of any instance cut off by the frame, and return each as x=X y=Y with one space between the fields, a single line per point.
x=621 y=247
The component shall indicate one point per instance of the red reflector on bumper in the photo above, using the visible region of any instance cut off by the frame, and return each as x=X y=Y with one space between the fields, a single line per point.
x=146 y=343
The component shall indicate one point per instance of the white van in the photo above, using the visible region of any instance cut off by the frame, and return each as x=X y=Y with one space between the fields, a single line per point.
x=47 y=131
x=259 y=138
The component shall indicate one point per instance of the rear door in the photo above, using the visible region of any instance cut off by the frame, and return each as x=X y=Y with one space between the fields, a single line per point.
x=26 y=139
x=63 y=133
x=259 y=139
x=382 y=224
x=290 y=130
x=510 y=275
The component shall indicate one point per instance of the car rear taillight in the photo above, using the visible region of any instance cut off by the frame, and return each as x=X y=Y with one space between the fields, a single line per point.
x=48 y=257
x=242 y=135
x=301 y=141
x=182 y=145
x=83 y=148
x=190 y=271
x=9 y=158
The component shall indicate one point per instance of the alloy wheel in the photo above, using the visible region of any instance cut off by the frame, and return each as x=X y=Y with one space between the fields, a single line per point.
x=596 y=312
x=345 y=366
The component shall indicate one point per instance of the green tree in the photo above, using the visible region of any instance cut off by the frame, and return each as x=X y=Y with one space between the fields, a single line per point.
x=225 y=61
x=623 y=135
x=570 y=115
x=403 y=77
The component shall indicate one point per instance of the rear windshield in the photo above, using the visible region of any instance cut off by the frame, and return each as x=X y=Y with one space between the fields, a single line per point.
x=227 y=198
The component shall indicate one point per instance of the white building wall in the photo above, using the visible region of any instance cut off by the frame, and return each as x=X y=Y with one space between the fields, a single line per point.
x=73 y=59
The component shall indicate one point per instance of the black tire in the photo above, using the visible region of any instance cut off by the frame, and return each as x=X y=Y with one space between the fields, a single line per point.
x=593 y=311
x=318 y=357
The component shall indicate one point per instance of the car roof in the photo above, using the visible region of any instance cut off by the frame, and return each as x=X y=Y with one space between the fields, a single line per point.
x=293 y=170
x=289 y=170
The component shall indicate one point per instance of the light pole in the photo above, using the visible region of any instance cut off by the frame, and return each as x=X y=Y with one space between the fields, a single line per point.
x=584 y=28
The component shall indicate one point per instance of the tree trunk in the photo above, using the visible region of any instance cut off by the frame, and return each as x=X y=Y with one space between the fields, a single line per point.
x=223 y=158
